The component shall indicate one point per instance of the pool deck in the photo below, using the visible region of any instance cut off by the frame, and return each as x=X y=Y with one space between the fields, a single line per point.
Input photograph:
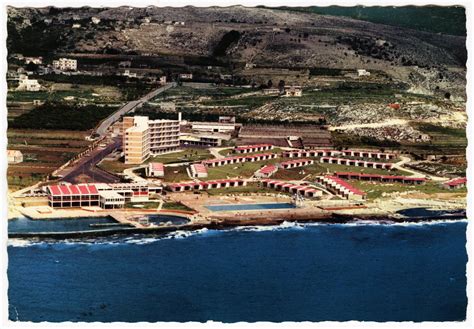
x=124 y=216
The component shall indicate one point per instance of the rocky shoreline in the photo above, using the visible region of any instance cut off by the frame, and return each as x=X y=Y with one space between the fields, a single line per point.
x=222 y=224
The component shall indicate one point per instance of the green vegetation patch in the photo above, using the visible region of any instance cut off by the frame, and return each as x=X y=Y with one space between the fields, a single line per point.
x=376 y=190
x=186 y=155
x=437 y=19
x=175 y=206
x=61 y=116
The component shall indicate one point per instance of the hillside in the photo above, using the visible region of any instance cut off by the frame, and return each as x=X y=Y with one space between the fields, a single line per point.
x=262 y=36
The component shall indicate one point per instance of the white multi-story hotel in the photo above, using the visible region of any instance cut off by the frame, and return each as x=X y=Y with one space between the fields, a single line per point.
x=143 y=138
x=65 y=64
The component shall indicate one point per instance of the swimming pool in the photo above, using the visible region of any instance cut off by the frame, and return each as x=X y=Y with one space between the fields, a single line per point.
x=60 y=225
x=251 y=206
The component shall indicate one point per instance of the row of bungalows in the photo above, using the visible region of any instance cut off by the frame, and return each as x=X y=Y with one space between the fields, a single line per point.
x=309 y=153
x=295 y=163
x=455 y=183
x=357 y=163
x=266 y=171
x=368 y=154
x=284 y=186
x=381 y=178
x=252 y=148
x=341 y=187
x=239 y=159
x=197 y=186
x=332 y=153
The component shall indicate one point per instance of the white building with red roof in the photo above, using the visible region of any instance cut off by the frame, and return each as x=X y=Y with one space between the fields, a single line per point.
x=284 y=186
x=341 y=187
x=198 y=170
x=155 y=169
x=69 y=196
x=266 y=171
x=381 y=178
x=456 y=183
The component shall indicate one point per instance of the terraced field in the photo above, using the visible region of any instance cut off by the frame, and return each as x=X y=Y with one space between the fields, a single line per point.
x=43 y=152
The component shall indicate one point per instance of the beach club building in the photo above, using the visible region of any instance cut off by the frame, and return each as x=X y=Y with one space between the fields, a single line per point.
x=155 y=169
x=341 y=187
x=252 y=148
x=67 y=196
x=284 y=186
x=357 y=163
x=239 y=159
x=381 y=178
x=266 y=171
x=295 y=163
x=198 y=170
x=455 y=183
x=99 y=194
x=197 y=186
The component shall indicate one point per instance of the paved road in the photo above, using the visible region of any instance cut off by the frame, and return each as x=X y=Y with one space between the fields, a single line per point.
x=102 y=129
x=87 y=166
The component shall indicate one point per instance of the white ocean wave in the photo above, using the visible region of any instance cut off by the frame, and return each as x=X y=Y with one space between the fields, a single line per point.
x=181 y=234
x=21 y=243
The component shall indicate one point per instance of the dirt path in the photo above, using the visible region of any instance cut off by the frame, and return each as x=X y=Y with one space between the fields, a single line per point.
x=389 y=122
x=404 y=160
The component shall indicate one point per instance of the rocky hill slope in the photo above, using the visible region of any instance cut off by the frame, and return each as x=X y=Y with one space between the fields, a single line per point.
x=262 y=36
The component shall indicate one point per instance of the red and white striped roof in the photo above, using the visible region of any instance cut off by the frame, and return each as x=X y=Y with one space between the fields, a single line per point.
x=80 y=189
x=268 y=169
x=346 y=185
x=456 y=181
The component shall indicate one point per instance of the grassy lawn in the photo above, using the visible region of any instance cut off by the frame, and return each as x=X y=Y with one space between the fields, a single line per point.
x=326 y=168
x=185 y=155
x=375 y=190
x=175 y=206
x=176 y=174
x=245 y=169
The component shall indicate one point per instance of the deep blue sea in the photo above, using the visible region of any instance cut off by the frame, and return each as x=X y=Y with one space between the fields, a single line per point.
x=288 y=273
